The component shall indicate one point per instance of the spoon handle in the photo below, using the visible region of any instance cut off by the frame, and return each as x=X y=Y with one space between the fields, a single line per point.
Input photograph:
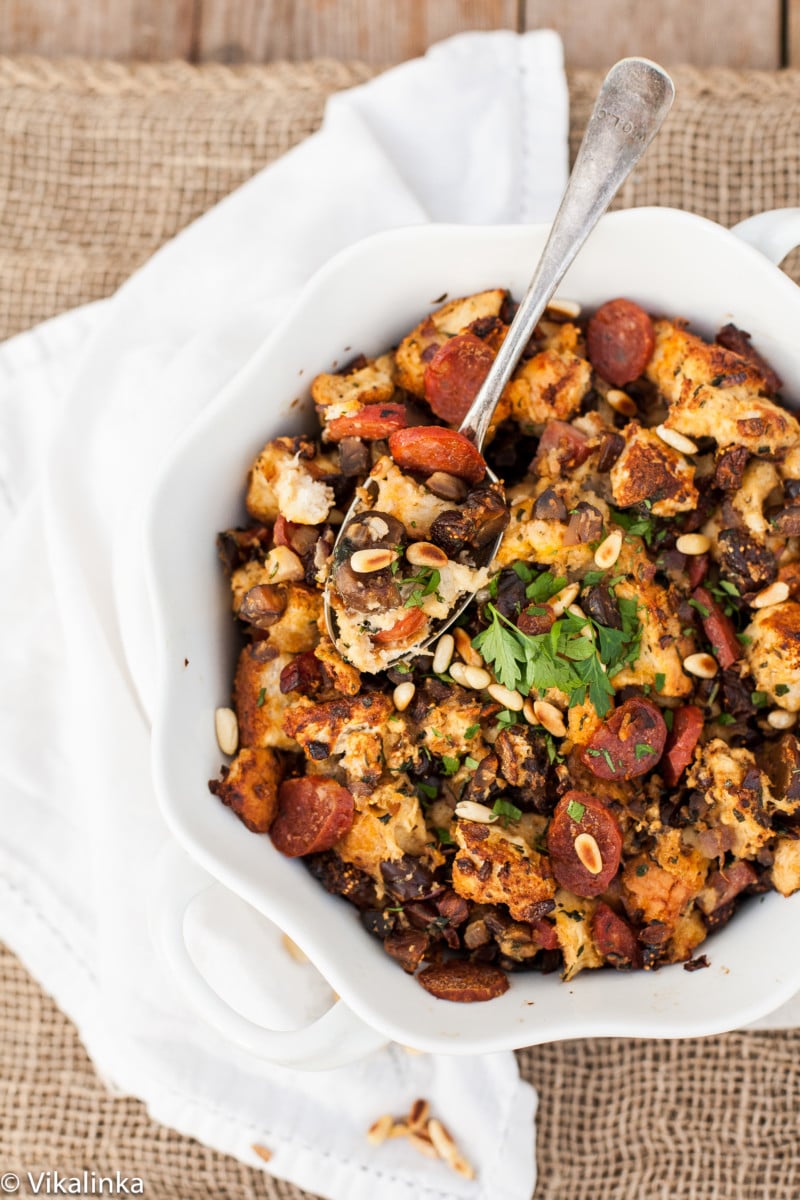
x=632 y=103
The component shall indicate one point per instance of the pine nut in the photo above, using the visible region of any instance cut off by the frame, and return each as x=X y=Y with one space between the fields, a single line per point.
x=293 y=950
x=443 y=653
x=422 y=1143
x=776 y=593
x=403 y=695
x=588 y=852
x=447 y=1150
x=284 y=566
x=363 y=562
x=779 y=718
x=562 y=600
x=263 y=1152
x=693 y=543
x=226 y=726
x=504 y=696
x=621 y=402
x=470 y=810
x=564 y=308
x=418 y=1115
x=548 y=715
x=458 y=670
x=608 y=551
x=528 y=713
x=425 y=554
x=676 y=440
x=398 y=1130
x=379 y=1130
x=465 y=648
x=701 y=665
x=476 y=678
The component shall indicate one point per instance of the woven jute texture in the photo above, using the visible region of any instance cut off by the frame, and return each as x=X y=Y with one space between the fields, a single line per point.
x=100 y=164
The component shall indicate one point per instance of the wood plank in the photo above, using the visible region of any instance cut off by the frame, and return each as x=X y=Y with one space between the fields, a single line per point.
x=792 y=46
x=145 y=29
x=374 y=31
x=727 y=33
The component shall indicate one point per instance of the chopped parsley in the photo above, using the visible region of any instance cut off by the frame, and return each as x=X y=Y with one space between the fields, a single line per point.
x=701 y=608
x=661 y=679
x=725 y=719
x=262 y=695
x=507 y=810
x=781 y=689
x=576 y=810
x=471 y=731
x=634 y=525
x=669 y=717
x=444 y=837
x=385 y=819
x=451 y=765
x=642 y=750
x=759 y=699
x=426 y=582
x=428 y=790
x=642 y=869
x=471 y=762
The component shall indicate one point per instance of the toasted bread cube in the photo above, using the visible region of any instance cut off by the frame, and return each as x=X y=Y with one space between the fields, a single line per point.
x=258 y=701
x=496 y=867
x=250 y=787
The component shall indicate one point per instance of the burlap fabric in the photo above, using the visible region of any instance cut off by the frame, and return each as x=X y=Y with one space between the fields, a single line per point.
x=101 y=163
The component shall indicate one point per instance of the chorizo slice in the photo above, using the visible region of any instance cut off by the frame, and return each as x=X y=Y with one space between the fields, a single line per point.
x=719 y=629
x=584 y=842
x=374 y=421
x=464 y=982
x=615 y=939
x=314 y=812
x=687 y=725
x=429 y=448
x=407 y=626
x=620 y=341
x=629 y=743
x=455 y=374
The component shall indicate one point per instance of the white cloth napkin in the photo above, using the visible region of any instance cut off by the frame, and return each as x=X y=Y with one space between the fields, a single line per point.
x=89 y=404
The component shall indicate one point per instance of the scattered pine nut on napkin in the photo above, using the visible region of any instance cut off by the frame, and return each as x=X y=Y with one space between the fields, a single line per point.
x=476 y=132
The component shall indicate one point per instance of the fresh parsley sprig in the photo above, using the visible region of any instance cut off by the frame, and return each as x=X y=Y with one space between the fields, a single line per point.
x=563 y=658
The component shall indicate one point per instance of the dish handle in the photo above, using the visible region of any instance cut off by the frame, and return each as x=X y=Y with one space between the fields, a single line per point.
x=335 y=1039
x=774 y=233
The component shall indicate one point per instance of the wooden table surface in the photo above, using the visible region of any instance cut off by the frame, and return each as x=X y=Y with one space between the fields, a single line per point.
x=732 y=33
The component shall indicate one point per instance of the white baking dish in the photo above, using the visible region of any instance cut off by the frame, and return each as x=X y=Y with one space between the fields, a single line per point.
x=364 y=300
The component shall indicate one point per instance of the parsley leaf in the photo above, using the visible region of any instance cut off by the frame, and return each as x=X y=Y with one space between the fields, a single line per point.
x=576 y=810
x=504 y=808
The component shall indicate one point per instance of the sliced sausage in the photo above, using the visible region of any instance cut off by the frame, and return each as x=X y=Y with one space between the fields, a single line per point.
x=629 y=743
x=576 y=814
x=697 y=569
x=454 y=376
x=687 y=725
x=719 y=629
x=374 y=421
x=614 y=938
x=405 y=627
x=464 y=982
x=432 y=448
x=620 y=341
x=568 y=444
x=314 y=812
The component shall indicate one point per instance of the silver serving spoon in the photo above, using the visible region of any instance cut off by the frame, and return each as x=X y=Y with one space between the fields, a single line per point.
x=630 y=108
